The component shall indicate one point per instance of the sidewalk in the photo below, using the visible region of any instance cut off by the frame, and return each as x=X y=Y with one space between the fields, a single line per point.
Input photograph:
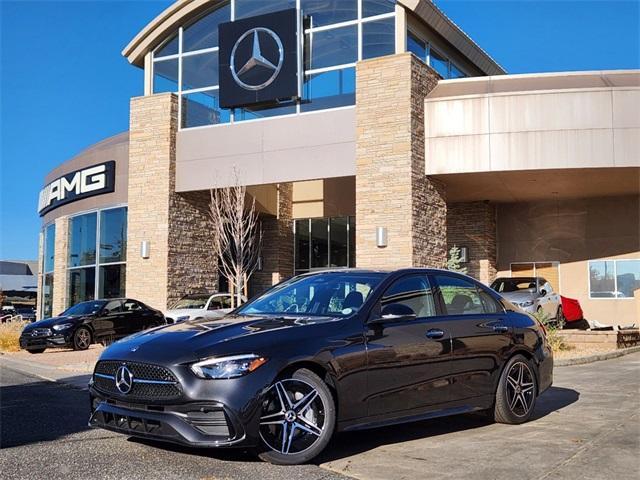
x=70 y=367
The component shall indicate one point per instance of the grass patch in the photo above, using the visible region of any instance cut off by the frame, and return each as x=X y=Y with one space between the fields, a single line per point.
x=10 y=336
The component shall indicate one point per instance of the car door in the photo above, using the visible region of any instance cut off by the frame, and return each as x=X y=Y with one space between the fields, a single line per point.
x=550 y=300
x=480 y=335
x=135 y=317
x=407 y=360
x=108 y=323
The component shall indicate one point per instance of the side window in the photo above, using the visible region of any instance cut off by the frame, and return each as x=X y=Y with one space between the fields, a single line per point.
x=489 y=303
x=215 y=304
x=348 y=297
x=132 y=306
x=114 y=306
x=460 y=296
x=413 y=291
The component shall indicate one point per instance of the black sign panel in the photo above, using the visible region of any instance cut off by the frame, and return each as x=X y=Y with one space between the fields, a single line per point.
x=258 y=59
x=88 y=182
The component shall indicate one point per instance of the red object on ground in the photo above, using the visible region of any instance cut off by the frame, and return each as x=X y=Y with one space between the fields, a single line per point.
x=571 y=309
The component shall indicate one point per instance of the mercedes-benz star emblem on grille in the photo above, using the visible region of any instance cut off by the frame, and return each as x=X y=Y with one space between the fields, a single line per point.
x=257 y=59
x=124 y=379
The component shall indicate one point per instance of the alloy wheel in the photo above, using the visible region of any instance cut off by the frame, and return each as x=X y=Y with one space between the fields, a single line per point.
x=293 y=416
x=83 y=339
x=520 y=389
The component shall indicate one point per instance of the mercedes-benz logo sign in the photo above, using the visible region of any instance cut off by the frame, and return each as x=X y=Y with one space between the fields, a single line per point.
x=256 y=59
x=124 y=379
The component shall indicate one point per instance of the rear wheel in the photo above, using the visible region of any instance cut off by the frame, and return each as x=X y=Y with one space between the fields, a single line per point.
x=298 y=418
x=36 y=350
x=81 y=338
x=516 y=393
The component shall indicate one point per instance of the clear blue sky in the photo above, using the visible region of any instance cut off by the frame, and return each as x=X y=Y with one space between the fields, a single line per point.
x=65 y=86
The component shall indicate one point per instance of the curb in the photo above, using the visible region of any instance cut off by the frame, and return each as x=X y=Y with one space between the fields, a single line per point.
x=567 y=362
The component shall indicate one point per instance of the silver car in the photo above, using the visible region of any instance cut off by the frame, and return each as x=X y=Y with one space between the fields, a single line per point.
x=531 y=294
x=200 y=305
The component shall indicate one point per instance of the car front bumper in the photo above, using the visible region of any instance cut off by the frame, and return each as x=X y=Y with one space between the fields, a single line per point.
x=28 y=342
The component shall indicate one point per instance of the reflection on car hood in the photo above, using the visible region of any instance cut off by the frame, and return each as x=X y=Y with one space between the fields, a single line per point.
x=519 y=297
x=193 y=339
x=50 y=322
x=181 y=312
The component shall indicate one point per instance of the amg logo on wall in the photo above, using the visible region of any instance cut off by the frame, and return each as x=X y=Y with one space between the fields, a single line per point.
x=259 y=59
x=73 y=186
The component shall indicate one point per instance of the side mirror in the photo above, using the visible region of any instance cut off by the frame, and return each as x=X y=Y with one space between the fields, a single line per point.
x=395 y=312
x=543 y=292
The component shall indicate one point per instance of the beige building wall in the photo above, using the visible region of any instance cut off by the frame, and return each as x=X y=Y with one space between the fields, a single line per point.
x=60 y=260
x=572 y=232
x=329 y=197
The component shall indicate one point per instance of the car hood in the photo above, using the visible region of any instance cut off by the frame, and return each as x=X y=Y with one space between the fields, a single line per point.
x=519 y=297
x=194 y=339
x=50 y=322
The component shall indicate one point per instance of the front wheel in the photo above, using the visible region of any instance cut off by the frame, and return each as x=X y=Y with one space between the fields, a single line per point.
x=297 y=420
x=516 y=393
x=81 y=338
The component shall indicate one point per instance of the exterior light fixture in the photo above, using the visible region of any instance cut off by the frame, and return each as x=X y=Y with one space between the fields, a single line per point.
x=144 y=249
x=381 y=237
x=464 y=254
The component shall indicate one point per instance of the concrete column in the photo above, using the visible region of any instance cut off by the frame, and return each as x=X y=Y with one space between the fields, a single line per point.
x=60 y=262
x=277 y=243
x=392 y=190
x=175 y=225
x=40 y=279
x=473 y=225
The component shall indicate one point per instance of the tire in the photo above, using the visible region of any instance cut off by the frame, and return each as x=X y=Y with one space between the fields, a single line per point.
x=82 y=338
x=308 y=427
x=36 y=350
x=515 y=405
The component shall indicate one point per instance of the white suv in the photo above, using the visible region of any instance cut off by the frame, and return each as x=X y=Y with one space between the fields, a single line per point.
x=199 y=305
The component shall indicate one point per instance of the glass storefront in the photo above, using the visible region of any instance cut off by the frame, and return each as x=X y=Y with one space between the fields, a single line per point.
x=48 y=255
x=324 y=243
x=97 y=255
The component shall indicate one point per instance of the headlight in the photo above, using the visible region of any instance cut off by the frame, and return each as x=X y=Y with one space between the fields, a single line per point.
x=182 y=318
x=227 y=367
x=62 y=326
x=528 y=303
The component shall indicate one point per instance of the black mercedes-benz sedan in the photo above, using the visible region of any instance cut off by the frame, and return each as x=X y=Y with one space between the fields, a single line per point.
x=90 y=322
x=326 y=352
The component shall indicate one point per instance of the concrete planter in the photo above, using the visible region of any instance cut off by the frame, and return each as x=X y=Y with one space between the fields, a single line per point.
x=609 y=339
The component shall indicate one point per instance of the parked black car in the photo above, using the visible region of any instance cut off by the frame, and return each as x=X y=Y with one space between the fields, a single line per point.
x=90 y=322
x=28 y=313
x=323 y=352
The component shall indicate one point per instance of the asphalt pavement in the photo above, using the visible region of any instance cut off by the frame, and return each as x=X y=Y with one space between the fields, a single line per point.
x=586 y=427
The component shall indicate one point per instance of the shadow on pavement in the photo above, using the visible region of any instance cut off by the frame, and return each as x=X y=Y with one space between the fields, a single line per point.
x=224 y=454
x=351 y=443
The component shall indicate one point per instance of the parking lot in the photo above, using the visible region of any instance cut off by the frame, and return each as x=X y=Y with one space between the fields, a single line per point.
x=587 y=426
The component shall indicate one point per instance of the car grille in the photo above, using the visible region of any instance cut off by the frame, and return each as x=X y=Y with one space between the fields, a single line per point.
x=150 y=382
x=38 y=332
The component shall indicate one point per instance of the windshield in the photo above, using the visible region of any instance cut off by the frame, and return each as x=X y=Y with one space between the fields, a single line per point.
x=191 y=302
x=323 y=294
x=85 y=308
x=505 y=285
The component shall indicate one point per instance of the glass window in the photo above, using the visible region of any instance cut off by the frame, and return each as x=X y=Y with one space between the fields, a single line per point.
x=251 y=8
x=82 y=285
x=319 y=243
x=326 y=12
x=112 y=281
x=602 y=282
x=439 y=63
x=113 y=235
x=49 y=248
x=82 y=241
x=416 y=46
x=335 y=88
x=170 y=47
x=200 y=70
x=489 y=303
x=165 y=76
x=337 y=46
x=460 y=296
x=204 y=32
x=316 y=295
x=352 y=242
x=132 y=306
x=456 y=72
x=302 y=244
x=378 y=38
x=627 y=277
x=338 y=241
x=47 y=295
x=263 y=112
x=377 y=7
x=114 y=306
x=203 y=108
x=413 y=291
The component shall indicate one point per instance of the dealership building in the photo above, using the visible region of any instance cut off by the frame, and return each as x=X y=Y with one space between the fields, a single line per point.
x=371 y=134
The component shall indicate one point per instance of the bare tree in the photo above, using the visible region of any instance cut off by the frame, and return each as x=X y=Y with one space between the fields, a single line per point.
x=237 y=235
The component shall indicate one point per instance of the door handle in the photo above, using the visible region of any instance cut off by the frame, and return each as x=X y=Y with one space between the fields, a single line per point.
x=500 y=328
x=434 y=333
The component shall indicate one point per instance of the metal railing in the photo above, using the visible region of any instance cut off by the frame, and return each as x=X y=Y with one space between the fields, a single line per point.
x=11 y=318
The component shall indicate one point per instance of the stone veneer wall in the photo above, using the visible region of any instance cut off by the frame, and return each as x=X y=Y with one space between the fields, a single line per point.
x=60 y=259
x=277 y=243
x=473 y=225
x=392 y=189
x=40 y=279
x=175 y=225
